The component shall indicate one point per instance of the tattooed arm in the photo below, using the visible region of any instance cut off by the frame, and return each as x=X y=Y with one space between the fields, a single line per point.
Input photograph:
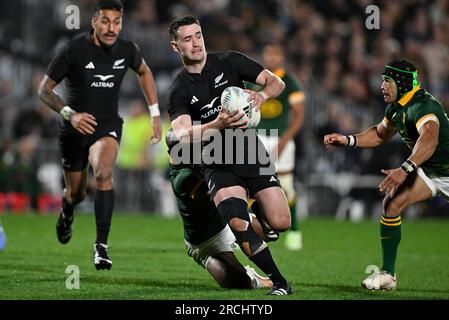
x=83 y=122
x=47 y=95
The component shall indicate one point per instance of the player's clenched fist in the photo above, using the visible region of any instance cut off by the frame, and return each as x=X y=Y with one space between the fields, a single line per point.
x=335 y=139
x=83 y=122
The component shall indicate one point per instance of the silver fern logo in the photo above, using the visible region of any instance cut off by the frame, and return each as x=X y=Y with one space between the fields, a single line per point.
x=218 y=79
x=118 y=64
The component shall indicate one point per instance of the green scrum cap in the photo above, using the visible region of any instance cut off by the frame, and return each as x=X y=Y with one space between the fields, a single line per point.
x=404 y=74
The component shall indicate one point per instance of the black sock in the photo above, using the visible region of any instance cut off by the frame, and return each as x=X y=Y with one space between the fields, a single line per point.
x=67 y=208
x=265 y=262
x=104 y=204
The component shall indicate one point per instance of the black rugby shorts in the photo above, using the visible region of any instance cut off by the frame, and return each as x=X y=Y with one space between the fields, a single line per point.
x=74 y=146
x=217 y=179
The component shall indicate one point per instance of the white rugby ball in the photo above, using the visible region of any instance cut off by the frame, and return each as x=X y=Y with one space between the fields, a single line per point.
x=234 y=98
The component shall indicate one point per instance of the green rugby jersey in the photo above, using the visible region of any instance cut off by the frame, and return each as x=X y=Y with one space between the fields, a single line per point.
x=409 y=114
x=275 y=112
x=200 y=218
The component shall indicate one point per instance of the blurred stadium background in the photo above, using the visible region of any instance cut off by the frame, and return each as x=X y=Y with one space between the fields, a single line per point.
x=336 y=58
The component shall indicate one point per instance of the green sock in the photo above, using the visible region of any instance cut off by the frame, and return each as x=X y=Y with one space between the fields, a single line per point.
x=390 y=236
x=294 y=224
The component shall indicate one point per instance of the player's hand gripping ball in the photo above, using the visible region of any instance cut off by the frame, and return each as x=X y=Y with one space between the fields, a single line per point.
x=234 y=98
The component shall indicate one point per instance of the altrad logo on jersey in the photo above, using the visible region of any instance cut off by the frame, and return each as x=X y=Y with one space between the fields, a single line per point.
x=103 y=83
x=210 y=109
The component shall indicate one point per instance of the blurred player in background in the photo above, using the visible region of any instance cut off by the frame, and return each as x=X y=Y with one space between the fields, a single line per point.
x=94 y=65
x=423 y=125
x=285 y=113
x=195 y=97
x=207 y=237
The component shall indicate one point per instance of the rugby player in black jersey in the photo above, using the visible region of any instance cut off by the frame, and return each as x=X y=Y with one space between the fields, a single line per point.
x=93 y=66
x=194 y=97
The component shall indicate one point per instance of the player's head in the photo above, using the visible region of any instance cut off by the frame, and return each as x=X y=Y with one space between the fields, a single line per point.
x=273 y=56
x=399 y=77
x=107 y=21
x=187 y=39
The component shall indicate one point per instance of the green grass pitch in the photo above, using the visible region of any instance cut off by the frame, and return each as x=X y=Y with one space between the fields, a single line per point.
x=150 y=262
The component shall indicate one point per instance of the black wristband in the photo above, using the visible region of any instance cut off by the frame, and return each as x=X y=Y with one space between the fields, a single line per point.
x=411 y=163
x=408 y=166
x=352 y=140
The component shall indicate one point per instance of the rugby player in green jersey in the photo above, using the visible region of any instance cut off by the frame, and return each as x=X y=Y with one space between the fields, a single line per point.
x=424 y=127
x=208 y=238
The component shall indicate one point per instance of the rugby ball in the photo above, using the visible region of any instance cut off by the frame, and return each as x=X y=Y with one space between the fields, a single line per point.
x=234 y=98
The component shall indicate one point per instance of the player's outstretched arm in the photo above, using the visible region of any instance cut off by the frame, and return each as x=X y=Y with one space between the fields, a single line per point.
x=148 y=86
x=336 y=140
x=372 y=137
x=83 y=122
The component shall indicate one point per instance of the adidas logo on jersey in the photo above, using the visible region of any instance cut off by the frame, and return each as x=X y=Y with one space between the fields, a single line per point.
x=90 y=65
x=113 y=133
x=273 y=179
x=118 y=64
x=194 y=99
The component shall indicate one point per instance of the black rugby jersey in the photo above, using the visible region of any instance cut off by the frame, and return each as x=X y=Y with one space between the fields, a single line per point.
x=94 y=74
x=198 y=94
